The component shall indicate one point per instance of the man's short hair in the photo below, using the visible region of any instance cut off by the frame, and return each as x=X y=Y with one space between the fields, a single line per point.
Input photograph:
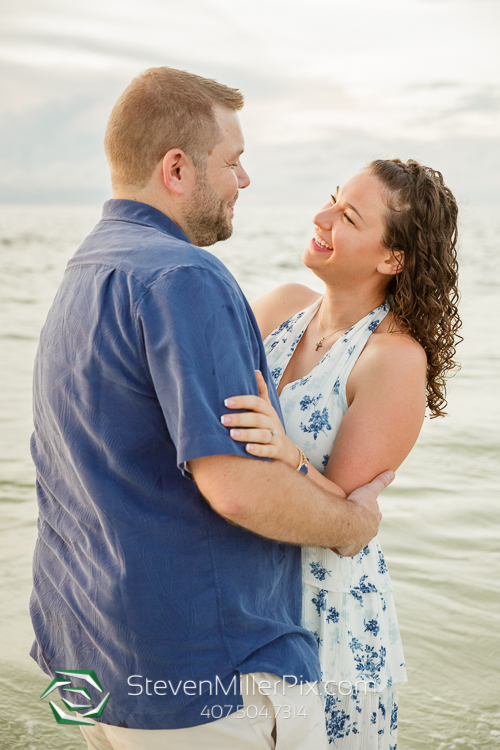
x=164 y=108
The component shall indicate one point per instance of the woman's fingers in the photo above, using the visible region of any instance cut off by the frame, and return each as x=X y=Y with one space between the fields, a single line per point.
x=248 y=419
x=262 y=386
x=263 y=451
x=252 y=436
x=254 y=403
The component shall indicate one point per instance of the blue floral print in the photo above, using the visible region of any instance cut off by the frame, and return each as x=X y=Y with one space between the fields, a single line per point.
x=372 y=626
x=307 y=401
x=286 y=326
x=382 y=567
x=300 y=382
x=354 y=644
x=369 y=663
x=381 y=707
x=362 y=588
x=362 y=717
x=318 y=639
x=365 y=551
x=338 y=724
x=394 y=718
x=318 y=571
x=332 y=616
x=318 y=422
x=294 y=344
x=347 y=601
x=320 y=602
x=276 y=373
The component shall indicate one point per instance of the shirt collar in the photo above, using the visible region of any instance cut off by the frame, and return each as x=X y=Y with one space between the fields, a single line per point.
x=119 y=209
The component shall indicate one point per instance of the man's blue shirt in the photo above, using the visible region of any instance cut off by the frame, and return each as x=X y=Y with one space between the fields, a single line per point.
x=134 y=573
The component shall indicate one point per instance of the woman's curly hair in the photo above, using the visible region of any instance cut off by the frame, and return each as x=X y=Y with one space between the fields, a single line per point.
x=421 y=221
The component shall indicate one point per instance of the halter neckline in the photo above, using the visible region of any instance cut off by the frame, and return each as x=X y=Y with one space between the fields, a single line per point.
x=308 y=314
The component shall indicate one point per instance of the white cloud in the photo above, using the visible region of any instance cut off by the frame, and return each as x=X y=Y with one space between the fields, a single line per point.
x=419 y=71
x=424 y=113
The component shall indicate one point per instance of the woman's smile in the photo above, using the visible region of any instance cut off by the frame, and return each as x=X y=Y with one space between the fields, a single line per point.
x=320 y=245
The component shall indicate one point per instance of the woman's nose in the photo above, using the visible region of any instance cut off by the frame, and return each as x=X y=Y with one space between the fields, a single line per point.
x=324 y=218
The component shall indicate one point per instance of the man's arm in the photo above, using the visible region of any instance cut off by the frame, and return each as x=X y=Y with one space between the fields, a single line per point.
x=276 y=502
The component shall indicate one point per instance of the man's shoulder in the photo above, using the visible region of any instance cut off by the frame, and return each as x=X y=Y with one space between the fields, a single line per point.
x=145 y=253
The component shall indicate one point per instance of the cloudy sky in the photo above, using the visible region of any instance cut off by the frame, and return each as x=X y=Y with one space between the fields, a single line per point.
x=329 y=85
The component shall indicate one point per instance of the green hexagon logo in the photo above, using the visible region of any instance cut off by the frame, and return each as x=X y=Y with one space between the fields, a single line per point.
x=78 y=694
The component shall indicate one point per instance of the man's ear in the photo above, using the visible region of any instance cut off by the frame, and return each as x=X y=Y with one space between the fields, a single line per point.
x=393 y=264
x=178 y=172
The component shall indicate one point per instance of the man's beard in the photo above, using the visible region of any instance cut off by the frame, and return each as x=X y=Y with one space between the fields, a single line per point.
x=206 y=217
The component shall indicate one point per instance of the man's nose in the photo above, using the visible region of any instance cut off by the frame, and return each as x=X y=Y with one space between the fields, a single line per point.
x=243 y=178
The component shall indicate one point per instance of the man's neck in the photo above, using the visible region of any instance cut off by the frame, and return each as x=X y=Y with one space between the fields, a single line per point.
x=133 y=193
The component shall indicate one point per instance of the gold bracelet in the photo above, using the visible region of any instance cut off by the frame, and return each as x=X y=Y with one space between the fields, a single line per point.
x=303 y=467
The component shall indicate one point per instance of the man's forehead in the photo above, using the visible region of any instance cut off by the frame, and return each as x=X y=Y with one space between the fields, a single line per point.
x=228 y=121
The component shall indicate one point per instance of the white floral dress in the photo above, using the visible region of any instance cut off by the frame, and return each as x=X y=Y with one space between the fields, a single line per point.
x=347 y=602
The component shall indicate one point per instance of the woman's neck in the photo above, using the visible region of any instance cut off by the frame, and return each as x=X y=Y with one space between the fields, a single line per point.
x=341 y=309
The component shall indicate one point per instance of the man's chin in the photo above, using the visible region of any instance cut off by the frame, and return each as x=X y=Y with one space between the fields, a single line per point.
x=208 y=229
x=229 y=230
x=207 y=241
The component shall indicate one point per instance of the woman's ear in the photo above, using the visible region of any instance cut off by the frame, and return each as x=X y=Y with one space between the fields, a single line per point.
x=393 y=264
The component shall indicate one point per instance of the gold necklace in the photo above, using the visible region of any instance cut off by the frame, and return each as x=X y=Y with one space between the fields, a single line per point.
x=319 y=344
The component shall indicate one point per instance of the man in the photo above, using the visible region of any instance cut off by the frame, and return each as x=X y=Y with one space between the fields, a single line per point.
x=169 y=588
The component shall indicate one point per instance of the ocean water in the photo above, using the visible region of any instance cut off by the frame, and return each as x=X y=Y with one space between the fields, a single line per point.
x=441 y=526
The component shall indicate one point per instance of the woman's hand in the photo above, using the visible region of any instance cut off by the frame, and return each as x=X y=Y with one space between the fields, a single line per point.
x=260 y=427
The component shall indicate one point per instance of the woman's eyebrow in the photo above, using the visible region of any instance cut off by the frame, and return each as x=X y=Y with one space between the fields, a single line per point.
x=349 y=205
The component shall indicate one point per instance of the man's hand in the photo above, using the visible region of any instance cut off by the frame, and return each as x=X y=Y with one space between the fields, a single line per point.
x=366 y=499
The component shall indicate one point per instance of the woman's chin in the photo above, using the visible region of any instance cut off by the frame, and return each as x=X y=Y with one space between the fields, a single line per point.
x=314 y=260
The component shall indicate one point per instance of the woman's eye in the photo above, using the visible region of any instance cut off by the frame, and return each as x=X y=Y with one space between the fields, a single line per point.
x=334 y=201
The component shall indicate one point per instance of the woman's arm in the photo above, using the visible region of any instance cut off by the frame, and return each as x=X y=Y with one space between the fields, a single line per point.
x=386 y=391
x=387 y=394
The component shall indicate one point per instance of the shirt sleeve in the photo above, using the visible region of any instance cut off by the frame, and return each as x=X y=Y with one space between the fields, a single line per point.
x=202 y=347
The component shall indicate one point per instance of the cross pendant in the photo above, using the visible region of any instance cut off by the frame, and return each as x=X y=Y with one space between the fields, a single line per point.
x=319 y=344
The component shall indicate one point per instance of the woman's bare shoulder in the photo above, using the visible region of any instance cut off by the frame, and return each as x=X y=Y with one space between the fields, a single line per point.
x=391 y=353
x=281 y=303
x=391 y=360
x=390 y=337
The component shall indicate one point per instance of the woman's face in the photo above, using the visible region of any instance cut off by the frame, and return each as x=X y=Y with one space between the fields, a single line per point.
x=347 y=247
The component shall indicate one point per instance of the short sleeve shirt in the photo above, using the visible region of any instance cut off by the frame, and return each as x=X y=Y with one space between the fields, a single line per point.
x=136 y=577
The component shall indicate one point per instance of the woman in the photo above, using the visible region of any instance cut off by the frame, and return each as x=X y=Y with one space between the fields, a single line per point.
x=355 y=369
